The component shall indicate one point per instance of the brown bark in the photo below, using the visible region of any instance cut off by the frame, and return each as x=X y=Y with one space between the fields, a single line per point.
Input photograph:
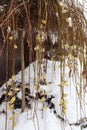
x=22 y=70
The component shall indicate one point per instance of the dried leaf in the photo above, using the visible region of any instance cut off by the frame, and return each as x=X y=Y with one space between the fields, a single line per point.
x=46 y=93
x=44 y=76
x=63 y=83
x=15 y=114
x=40 y=89
x=64 y=11
x=13 y=124
x=42 y=99
x=65 y=95
x=36 y=48
x=10 y=107
x=38 y=38
x=26 y=86
x=15 y=46
x=16 y=89
x=11 y=38
x=70 y=56
x=66 y=46
x=62 y=4
x=8 y=83
x=64 y=111
x=43 y=21
x=10 y=93
x=12 y=100
x=65 y=102
x=44 y=107
x=13 y=77
x=12 y=117
x=61 y=102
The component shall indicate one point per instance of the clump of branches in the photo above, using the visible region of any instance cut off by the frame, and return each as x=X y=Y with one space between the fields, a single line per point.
x=52 y=29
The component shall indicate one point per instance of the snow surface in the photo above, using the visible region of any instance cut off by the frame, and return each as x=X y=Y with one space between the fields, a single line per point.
x=35 y=119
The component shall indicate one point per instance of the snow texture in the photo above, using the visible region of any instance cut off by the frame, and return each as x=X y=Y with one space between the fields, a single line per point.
x=46 y=120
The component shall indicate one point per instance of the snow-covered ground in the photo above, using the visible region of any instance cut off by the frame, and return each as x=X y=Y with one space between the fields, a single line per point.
x=36 y=119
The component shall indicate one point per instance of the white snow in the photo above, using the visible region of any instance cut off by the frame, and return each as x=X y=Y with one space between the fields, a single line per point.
x=35 y=119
